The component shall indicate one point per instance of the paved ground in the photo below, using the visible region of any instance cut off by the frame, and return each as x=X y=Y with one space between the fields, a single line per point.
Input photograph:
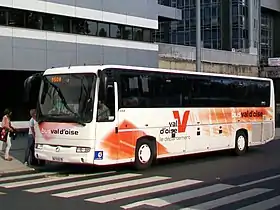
x=17 y=151
x=213 y=181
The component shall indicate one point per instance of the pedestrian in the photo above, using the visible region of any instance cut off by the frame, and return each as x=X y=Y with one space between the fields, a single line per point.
x=6 y=124
x=29 y=153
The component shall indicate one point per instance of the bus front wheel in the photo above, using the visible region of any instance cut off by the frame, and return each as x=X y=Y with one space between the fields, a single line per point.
x=241 y=143
x=144 y=154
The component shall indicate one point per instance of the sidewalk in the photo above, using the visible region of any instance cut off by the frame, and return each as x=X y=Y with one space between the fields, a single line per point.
x=17 y=152
x=12 y=166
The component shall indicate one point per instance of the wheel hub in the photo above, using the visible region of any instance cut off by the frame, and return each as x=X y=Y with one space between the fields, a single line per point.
x=241 y=143
x=144 y=153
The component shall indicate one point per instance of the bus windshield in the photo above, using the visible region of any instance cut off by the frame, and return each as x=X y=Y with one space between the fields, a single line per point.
x=67 y=98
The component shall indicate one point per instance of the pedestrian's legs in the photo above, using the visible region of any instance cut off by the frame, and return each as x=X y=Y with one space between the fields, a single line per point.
x=2 y=146
x=29 y=148
x=8 y=147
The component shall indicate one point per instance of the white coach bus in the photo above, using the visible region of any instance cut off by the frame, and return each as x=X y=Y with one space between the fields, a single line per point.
x=116 y=114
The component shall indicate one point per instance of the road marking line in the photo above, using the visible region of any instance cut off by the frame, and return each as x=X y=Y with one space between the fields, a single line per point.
x=228 y=199
x=10 y=178
x=109 y=187
x=1 y=193
x=80 y=183
x=43 y=180
x=264 y=205
x=259 y=181
x=143 y=191
x=167 y=200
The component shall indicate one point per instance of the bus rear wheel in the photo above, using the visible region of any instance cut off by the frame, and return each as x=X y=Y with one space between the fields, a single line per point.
x=144 y=154
x=241 y=143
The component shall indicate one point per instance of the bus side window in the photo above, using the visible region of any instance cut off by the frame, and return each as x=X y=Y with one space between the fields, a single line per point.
x=106 y=106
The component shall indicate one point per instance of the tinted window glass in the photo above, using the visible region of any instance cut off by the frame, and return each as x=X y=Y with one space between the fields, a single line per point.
x=56 y=23
x=127 y=32
x=103 y=29
x=51 y=22
x=34 y=20
x=16 y=18
x=137 y=34
x=115 y=31
x=3 y=17
x=152 y=89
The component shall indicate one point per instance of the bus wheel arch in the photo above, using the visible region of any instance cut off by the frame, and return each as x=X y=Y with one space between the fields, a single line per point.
x=241 y=142
x=145 y=152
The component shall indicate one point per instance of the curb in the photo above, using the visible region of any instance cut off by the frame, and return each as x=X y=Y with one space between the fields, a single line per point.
x=17 y=171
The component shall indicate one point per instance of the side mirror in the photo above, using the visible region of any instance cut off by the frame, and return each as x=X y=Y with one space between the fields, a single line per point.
x=27 y=88
x=31 y=88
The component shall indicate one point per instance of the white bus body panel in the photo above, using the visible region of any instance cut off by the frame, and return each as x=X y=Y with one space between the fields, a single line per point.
x=196 y=129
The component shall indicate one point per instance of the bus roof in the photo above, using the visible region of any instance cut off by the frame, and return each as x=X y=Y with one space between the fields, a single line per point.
x=95 y=68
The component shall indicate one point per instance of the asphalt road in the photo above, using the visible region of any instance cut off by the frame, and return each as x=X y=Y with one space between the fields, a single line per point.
x=213 y=181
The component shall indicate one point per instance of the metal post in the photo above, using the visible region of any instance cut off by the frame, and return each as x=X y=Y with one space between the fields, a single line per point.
x=198 y=37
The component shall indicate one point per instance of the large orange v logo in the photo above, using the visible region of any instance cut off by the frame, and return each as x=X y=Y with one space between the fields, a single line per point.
x=181 y=124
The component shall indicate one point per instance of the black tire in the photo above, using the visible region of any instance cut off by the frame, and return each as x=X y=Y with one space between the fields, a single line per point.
x=241 y=143
x=143 y=162
x=41 y=162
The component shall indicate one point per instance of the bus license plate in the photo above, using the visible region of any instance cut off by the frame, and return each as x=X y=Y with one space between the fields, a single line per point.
x=58 y=159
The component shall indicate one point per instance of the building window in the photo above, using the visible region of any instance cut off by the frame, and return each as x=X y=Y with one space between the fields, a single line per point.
x=91 y=27
x=183 y=32
x=266 y=39
x=57 y=23
x=34 y=20
x=103 y=29
x=115 y=31
x=147 y=35
x=84 y=27
x=16 y=18
x=127 y=32
x=137 y=34
x=3 y=17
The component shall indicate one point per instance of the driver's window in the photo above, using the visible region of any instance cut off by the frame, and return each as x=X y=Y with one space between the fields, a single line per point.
x=106 y=105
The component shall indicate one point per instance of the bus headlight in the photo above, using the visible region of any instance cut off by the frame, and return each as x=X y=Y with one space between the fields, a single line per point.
x=39 y=146
x=83 y=149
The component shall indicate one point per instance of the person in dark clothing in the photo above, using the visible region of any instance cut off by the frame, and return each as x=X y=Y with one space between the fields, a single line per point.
x=29 y=154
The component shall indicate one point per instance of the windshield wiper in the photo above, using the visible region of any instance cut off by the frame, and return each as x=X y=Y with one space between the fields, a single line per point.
x=78 y=118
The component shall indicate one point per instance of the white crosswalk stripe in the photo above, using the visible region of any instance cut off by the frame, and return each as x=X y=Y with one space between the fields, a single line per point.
x=133 y=190
x=228 y=199
x=80 y=183
x=166 y=200
x=260 y=180
x=109 y=187
x=142 y=191
x=40 y=181
x=264 y=205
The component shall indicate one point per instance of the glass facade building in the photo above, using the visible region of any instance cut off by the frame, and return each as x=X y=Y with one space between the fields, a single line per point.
x=183 y=32
x=239 y=25
x=266 y=37
x=224 y=24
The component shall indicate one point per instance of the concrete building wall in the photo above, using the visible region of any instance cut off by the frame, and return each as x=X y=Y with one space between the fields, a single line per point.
x=216 y=61
x=271 y=4
x=131 y=12
x=23 y=49
x=36 y=50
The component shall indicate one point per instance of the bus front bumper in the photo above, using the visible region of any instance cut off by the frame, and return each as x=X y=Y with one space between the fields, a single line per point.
x=69 y=155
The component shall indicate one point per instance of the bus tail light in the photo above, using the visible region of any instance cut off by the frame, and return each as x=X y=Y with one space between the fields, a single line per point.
x=83 y=149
